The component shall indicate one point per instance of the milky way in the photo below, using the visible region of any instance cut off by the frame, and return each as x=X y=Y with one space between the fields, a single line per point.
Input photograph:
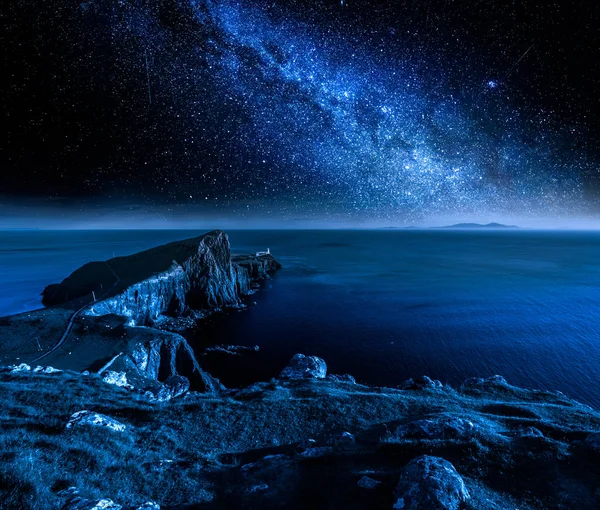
x=253 y=108
x=382 y=140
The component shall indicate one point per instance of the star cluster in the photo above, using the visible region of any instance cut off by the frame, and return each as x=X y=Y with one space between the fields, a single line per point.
x=314 y=110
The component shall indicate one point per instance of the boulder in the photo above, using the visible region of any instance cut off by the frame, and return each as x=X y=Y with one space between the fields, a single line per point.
x=496 y=381
x=593 y=441
x=306 y=445
x=430 y=483
x=343 y=440
x=23 y=367
x=529 y=432
x=345 y=378
x=90 y=418
x=79 y=503
x=174 y=386
x=46 y=370
x=420 y=383
x=440 y=427
x=116 y=379
x=304 y=367
x=368 y=483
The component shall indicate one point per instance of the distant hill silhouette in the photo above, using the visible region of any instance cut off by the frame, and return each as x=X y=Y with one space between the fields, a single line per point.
x=466 y=226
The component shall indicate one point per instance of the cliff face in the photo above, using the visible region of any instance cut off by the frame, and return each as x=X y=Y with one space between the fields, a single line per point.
x=257 y=267
x=161 y=355
x=195 y=274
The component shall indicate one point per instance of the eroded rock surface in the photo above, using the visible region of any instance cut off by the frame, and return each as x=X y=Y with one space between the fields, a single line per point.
x=304 y=367
x=149 y=363
x=430 y=483
x=420 y=383
x=90 y=418
x=79 y=503
x=441 y=427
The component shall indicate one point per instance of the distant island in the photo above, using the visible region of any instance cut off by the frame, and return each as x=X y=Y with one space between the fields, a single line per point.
x=465 y=226
x=459 y=226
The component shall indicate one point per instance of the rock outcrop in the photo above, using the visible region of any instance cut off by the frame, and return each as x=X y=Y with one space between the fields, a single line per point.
x=301 y=442
x=231 y=350
x=366 y=482
x=79 y=503
x=420 y=383
x=154 y=365
x=430 y=482
x=304 y=367
x=440 y=427
x=90 y=418
x=173 y=279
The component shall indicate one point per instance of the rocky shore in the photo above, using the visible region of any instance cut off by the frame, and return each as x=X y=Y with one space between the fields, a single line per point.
x=306 y=439
x=121 y=414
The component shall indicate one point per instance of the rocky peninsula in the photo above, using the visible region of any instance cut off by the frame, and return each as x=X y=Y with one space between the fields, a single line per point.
x=122 y=415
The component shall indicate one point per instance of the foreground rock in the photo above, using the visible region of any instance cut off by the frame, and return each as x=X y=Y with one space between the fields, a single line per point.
x=90 y=418
x=153 y=361
x=420 y=383
x=231 y=350
x=79 y=503
x=432 y=483
x=174 y=387
x=442 y=427
x=304 y=367
x=298 y=443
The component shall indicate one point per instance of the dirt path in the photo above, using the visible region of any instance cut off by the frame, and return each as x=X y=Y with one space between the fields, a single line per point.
x=73 y=317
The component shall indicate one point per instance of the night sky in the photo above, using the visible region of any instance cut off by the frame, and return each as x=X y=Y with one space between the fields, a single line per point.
x=356 y=112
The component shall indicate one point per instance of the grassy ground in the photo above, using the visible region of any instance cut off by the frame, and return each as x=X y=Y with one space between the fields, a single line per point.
x=27 y=335
x=194 y=452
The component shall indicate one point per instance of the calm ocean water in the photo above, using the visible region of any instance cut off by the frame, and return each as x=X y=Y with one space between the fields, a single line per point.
x=381 y=305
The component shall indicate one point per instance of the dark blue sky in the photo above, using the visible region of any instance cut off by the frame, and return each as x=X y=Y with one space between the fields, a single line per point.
x=353 y=112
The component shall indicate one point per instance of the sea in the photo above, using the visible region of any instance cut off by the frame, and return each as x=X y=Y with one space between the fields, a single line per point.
x=382 y=305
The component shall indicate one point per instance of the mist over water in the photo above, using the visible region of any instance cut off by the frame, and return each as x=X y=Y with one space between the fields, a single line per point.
x=382 y=305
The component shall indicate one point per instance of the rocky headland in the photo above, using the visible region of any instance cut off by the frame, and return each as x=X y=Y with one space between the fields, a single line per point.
x=124 y=315
x=122 y=415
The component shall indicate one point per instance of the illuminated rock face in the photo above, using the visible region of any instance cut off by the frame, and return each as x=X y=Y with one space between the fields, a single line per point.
x=90 y=418
x=430 y=482
x=304 y=367
x=195 y=274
